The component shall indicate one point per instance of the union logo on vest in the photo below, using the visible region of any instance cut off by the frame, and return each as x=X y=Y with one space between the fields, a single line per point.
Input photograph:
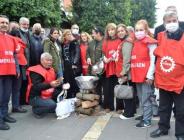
x=167 y=64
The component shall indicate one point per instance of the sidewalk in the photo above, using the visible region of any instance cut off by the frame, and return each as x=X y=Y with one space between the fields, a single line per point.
x=108 y=127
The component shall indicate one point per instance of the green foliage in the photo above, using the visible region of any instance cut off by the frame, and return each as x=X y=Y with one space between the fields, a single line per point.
x=143 y=9
x=87 y=13
x=47 y=12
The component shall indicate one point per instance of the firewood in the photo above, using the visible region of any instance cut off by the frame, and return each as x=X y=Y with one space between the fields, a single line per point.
x=97 y=108
x=78 y=103
x=88 y=97
x=87 y=111
x=97 y=97
x=89 y=104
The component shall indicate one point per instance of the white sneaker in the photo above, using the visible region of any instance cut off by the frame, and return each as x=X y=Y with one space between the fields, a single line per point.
x=124 y=118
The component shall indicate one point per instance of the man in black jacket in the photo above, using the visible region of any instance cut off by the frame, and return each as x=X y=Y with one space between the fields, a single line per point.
x=36 y=45
x=161 y=27
x=169 y=71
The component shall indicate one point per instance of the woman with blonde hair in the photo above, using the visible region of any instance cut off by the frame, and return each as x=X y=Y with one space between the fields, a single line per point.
x=85 y=38
x=72 y=63
x=124 y=50
x=142 y=69
x=112 y=72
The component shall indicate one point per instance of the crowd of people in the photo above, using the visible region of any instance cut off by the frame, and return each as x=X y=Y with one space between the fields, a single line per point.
x=33 y=68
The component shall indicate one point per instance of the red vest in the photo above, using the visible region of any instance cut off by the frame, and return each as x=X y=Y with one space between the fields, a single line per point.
x=119 y=62
x=140 y=59
x=20 y=52
x=48 y=75
x=83 y=49
x=110 y=48
x=7 y=49
x=169 y=74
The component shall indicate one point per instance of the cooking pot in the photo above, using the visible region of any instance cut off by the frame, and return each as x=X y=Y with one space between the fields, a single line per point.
x=86 y=82
x=98 y=68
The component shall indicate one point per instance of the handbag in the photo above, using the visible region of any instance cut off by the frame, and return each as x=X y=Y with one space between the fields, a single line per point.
x=123 y=91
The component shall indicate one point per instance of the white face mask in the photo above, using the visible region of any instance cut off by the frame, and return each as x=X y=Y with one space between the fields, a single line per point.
x=75 y=31
x=172 y=27
x=24 y=30
x=140 y=35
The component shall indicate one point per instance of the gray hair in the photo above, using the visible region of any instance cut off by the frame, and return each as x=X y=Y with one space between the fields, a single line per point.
x=130 y=28
x=171 y=8
x=23 y=19
x=170 y=14
x=36 y=26
x=45 y=55
x=4 y=16
x=74 y=26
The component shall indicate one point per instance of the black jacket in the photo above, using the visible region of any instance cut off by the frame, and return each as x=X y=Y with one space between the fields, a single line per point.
x=73 y=56
x=36 y=50
x=38 y=85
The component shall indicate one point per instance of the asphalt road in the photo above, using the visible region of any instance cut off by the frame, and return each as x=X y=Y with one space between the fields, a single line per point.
x=78 y=127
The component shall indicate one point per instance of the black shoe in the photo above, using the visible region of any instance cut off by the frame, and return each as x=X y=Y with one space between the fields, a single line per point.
x=180 y=138
x=38 y=116
x=9 y=119
x=19 y=110
x=143 y=124
x=158 y=133
x=156 y=115
x=4 y=126
x=139 y=118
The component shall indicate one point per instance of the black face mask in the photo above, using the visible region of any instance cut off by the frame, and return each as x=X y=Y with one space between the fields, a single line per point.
x=37 y=32
x=14 y=32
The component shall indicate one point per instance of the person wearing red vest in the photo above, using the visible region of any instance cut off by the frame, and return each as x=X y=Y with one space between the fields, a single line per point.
x=112 y=68
x=84 y=42
x=169 y=76
x=142 y=69
x=123 y=68
x=8 y=70
x=41 y=85
x=17 y=82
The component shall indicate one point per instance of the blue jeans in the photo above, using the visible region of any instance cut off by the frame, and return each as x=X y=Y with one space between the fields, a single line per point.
x=5 y=92
x=144 y=92
x=42 y=106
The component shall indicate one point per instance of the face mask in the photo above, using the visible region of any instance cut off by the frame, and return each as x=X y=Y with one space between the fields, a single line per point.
x=172 y=27
x=75 y=31
x=24 y=30
x=140 y=35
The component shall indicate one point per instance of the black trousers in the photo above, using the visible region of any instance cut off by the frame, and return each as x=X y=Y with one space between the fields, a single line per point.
x=129 y=107
x=23 y=85
x=69 y=77
x=110 y=83
x=99 y=88
x=167 y=99
x=130 y=104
